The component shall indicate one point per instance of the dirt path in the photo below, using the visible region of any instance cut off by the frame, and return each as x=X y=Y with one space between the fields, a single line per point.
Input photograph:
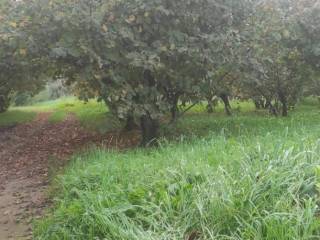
x=26 y=153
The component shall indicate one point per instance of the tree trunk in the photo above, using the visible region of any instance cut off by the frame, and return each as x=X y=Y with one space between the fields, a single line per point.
x=4 y=103
x=284 y=104
x=149 y=128
x=284 y=107
x=261 y=102
x=284 y=110
x=272 y=109
x=267 y=104
x=226 y=103
x=174 y=114
x=130 y=124
x=174 y=110
x=276 y=105
x=210 y=107
x=212 y=103
x=257 y=103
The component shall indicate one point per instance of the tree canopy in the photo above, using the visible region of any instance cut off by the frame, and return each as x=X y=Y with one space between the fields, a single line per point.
x=147 y=59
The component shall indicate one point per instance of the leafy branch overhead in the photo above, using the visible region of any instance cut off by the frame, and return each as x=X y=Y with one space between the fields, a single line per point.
x=148 y=59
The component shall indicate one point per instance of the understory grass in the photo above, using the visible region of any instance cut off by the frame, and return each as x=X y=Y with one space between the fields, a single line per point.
x=250 y=176
x=93 y=115
x=14 y=117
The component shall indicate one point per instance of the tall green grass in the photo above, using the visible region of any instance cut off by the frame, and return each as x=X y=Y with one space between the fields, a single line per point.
x=245 y=177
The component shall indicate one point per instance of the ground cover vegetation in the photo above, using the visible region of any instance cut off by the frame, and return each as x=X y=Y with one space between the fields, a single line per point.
x=245 y=177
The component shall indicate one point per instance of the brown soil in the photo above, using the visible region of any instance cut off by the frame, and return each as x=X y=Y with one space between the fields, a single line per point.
x=27 y=153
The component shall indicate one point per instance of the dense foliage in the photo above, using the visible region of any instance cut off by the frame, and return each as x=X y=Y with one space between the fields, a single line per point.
x=22 y=68
x=147 y=59
x=309 y=19
x=161 y=52
x=274 y=67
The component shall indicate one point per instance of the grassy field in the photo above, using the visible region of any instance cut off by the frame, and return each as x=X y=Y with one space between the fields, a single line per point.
x=14 y=117
x=250 y=176
x=93 y=115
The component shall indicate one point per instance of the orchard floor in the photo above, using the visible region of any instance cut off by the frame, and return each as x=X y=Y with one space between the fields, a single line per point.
x=36 y=180
x=29 y=153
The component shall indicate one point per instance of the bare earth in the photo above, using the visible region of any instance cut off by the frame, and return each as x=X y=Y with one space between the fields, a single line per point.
x=27 y=152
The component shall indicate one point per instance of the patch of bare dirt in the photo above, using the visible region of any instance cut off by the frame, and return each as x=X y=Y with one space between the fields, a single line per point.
x=26 y=153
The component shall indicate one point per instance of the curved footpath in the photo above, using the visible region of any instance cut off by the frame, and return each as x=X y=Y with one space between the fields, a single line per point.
x=27 y=153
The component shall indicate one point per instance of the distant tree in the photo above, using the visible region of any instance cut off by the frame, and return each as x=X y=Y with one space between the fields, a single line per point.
x=222 y=74
x=308 y=15
x=313 y=86
x=21 y=67
x=274 y=67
